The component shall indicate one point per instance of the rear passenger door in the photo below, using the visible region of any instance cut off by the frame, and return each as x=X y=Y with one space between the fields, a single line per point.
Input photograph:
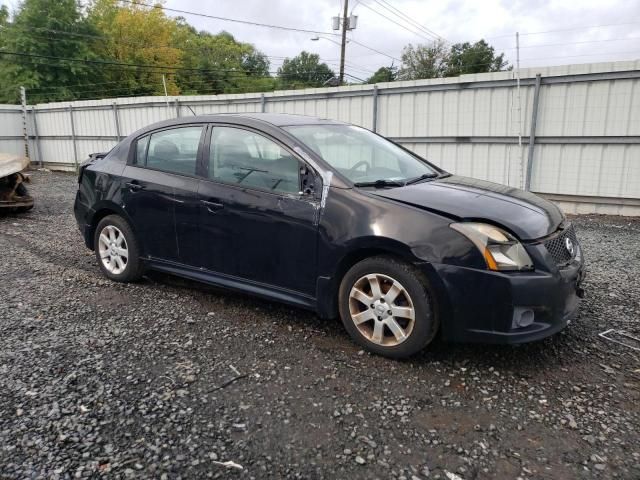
x=160 y=195
x=255 y=223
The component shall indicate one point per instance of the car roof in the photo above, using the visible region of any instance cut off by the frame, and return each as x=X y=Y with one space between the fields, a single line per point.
x=285 y=119
x=275 y=119
x=256 y=119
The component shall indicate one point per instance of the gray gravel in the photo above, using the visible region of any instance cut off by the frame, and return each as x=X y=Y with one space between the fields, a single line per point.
x=135 y=381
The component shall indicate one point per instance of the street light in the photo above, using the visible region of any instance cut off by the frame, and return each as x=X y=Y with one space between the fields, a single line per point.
x=316 y=38
x=332 y=82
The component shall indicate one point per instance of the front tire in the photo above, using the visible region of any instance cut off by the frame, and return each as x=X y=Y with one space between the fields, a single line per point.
x=386 y=306
x=117 y=250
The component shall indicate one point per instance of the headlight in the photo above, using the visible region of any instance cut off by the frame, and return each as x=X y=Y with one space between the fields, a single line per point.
x=500 y=249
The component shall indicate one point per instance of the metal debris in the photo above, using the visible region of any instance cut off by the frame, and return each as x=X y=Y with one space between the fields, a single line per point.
x=612 y=331
x=228 y=464
x=13 y=192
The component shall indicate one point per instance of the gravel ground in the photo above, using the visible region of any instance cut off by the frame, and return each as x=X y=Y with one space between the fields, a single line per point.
x=171 y=379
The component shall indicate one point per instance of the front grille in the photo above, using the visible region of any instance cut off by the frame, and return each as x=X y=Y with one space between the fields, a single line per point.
x=557 y=246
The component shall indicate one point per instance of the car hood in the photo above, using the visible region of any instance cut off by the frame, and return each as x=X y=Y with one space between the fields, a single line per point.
x=523 y=213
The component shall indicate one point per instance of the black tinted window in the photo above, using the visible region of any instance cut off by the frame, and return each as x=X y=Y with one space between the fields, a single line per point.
x=174 y=150
x=247 y=158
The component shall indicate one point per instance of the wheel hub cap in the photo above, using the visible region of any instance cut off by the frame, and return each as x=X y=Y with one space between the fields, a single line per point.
x=381 y=309
x=113 y=249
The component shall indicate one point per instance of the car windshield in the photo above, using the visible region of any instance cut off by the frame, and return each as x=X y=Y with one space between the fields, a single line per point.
x=362 y=156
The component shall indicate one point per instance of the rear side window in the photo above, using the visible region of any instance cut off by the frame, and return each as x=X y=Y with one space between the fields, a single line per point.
x=250 y=159
x=174 y=150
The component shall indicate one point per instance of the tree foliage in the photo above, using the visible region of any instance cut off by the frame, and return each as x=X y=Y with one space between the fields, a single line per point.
x=29 y=44
x=384 y=74
x=135 y=35
x=479 y=57
x=131 y=47
x=436 y=60
x=62 y=50
x=304 y=70
x=424 y=61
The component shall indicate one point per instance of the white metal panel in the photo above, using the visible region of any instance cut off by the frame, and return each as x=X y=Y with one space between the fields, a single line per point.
x=580 y=109
x=53 y=123
x=57 y=151
x=98 y=122
x=10 y=121
x=134 y=118
x=12 y=146
x=86 y=147
x=591 y=170
x=500 y=163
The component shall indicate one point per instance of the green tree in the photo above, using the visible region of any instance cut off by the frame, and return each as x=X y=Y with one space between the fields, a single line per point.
x=135 y=34
x=479 y=57
x=31 y=34
x=384 y=74
x=220 y=64
x=4 y=16
x=423 y=61
x=304 y=70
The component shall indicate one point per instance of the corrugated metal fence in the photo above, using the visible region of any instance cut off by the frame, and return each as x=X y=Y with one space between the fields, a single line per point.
x=570 y=132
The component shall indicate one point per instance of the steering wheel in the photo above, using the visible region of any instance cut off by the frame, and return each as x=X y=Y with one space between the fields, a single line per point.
x=360 y=163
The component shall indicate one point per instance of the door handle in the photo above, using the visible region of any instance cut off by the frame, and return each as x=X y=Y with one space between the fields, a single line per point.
x=212 y=206
x=135 y=186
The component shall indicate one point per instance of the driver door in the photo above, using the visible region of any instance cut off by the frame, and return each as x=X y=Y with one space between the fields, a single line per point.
x=255 y=223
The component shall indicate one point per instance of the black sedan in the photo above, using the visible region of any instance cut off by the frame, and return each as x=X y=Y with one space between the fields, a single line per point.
x=334 y=218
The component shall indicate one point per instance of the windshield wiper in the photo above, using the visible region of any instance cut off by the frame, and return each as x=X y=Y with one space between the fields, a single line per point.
x=380 y=183
x=424 y=176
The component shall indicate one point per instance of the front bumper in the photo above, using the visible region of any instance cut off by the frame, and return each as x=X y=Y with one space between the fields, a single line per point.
x=483 y=305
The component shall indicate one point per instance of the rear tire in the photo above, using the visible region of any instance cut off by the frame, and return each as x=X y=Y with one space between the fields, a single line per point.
x=387 y=307
x=117 y=250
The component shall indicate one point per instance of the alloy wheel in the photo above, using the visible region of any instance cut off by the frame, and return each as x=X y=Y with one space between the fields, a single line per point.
x=113 y=250
x=381 y=309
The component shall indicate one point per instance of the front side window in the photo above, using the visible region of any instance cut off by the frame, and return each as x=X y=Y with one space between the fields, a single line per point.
x=246 y=158
x=174 y=150
x=359 y=154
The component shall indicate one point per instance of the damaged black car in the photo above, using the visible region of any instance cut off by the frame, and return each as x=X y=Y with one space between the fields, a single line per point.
x=337 y=219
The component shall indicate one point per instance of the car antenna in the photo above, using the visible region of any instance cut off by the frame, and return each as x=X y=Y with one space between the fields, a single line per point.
x=189 y=107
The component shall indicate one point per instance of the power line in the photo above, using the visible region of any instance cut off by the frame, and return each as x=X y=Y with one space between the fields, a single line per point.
x=374 y=50
x=226 y=19
x=280 y=27
x=87 y=94
x=148 y=45
x=397 y=23
x=398 y=13
x=635 y=52
x=575 y=43
x=132 y=65
x=584 y=27
x=66 y=91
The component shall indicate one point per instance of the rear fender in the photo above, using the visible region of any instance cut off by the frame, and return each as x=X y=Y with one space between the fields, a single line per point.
x=102 y=209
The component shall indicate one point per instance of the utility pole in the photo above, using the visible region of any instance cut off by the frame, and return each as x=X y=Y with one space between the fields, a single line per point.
x=345 y=25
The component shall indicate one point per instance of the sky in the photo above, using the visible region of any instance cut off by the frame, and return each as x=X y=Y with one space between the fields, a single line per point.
x=551 y=31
